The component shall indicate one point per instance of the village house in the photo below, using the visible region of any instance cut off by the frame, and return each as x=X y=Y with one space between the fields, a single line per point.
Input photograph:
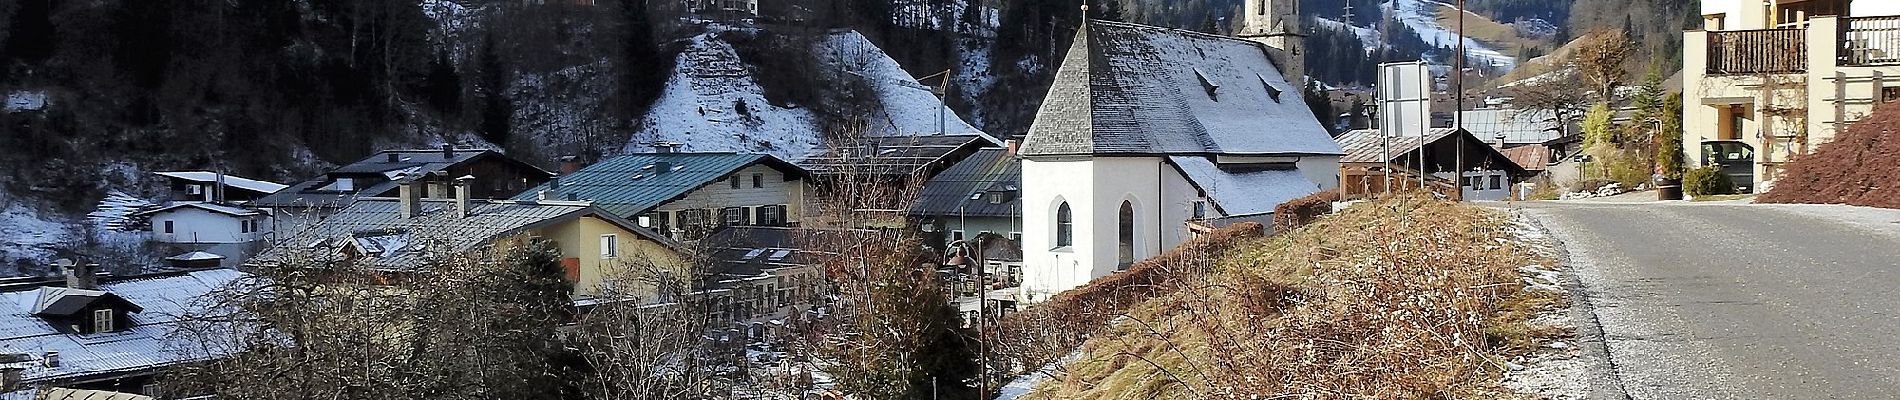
x=395 y=237
x=112 y=335
x=683 y=196
x=496 y=176
x=1489 y=174
x=977 y=204
x=893 y=166
x=213 y=187
x=1765 y=82
x=1146 y=128
x=760 y=278
x=206 y=223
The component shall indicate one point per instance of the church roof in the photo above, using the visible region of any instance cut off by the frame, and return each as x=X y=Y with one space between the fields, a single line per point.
x=1136 y=89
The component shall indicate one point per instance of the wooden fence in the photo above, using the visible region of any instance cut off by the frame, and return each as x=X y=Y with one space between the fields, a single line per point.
x=1768 y=51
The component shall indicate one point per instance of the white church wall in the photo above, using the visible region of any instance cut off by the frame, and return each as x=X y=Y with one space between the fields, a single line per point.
x=1048 y=270
x=1322 y=170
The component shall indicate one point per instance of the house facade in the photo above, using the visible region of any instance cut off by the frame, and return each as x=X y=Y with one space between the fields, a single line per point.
x=1490 y=174
x=684 y=196
x=394 y=237
x=207 y=223
x=1765 y=82
x=208 y=186
x=1146 y=128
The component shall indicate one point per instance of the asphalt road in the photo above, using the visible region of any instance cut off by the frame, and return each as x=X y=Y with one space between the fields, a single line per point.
x=1737 y=301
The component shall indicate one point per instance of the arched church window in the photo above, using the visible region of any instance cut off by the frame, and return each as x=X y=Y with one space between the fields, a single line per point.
x=1065 y=226
x=1125 y=234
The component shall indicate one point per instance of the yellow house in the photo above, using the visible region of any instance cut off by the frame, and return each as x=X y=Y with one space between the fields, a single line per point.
x=401 y=235
x=1765 y=81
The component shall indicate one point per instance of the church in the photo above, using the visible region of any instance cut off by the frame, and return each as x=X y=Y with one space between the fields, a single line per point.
x=1146 y=129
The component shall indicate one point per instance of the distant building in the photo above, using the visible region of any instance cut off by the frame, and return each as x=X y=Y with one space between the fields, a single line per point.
x=1147 y=128
x=894 y=164
x=724 y=8
x=396 y=237
x=1489 y=174
x=1765 y=82
x=214 y=187
x=762 y=275
x=685 y=195
x=496 y=176
x=981 y=194
x=112 y=336
x=200 y=222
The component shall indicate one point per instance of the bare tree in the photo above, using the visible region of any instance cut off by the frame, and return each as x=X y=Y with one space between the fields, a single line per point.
x=1600 y=61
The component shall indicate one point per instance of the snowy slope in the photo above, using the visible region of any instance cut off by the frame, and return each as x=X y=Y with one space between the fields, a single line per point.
x=701 y=105
x=1420 y=15
x=1368 y=36
x=29 y=236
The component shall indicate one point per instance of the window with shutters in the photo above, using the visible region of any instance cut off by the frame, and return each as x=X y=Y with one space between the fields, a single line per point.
x=732 y=216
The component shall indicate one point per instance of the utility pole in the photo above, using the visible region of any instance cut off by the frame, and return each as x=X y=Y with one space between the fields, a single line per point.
x=1348 y=13
x=1458 y=115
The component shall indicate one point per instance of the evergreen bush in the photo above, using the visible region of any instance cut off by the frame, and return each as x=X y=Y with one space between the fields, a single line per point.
x=1708 y=180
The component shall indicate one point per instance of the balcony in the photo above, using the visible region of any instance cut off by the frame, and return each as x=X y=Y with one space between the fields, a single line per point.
x=1765 y=51
x=1870 y=41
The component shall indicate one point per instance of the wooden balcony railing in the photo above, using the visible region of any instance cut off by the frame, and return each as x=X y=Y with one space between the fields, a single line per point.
x=1771 y=51
x=1870 y=41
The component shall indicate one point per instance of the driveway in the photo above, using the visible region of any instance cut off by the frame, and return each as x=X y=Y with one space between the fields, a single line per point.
x=1737 y=301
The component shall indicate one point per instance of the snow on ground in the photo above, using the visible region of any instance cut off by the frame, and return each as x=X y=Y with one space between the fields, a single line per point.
x=1366 y=35
x=25 y=100
x=910 y=107
x=701 y=108
x=1558 y=369
x=29 y=236
x=1421 y=16
x=113 y=210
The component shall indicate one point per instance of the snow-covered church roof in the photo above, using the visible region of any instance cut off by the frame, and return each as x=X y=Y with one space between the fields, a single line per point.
x=1137 y=89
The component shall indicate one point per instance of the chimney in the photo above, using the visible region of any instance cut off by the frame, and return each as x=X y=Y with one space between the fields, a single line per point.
x=79 y=276
x=666 y=147
x=51 y=360
x=461 y=195
x=544 y=195
x=448 y=151
x=410 y=201
x=217 y=186
x=1013 y=145
x=569 y=164
x=10 y=378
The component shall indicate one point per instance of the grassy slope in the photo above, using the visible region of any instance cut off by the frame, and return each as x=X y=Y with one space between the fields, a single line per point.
x=1397 y=298
x=1479 y=27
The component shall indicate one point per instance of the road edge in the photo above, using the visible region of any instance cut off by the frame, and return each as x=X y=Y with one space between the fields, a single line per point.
x=1605 y=379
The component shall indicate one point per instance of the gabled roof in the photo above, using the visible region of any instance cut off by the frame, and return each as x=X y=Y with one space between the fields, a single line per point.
x=1137 y=89
x=744 y=252
x=1534 y=158
x=1243 y=190
x=229 y=180
x=895 y=155
x=987 y=172
x=212 y=207
x=374 y=228
x=384 y=167
x=1367 y=146
x=165 y=298
x=1516 y=126
x=629 y=185
x=61 y=301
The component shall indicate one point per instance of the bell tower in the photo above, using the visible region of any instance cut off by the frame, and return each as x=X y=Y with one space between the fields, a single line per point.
x=1276 y=23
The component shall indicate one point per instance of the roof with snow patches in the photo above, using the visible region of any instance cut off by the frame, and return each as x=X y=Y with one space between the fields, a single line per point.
x=1136 y=89
x=160 y=301
x=378 y=174
x=895 y=155
x=983 y=185
x=374 y=229
x=1243 y=189
x=212 y=207
x=633 y=184
x=229 y=180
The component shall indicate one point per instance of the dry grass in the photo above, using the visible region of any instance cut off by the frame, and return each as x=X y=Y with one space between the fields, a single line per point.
x=1503 y=38
x=1402 y=297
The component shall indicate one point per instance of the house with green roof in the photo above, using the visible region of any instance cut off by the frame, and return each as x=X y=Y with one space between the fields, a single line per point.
x=685 y=195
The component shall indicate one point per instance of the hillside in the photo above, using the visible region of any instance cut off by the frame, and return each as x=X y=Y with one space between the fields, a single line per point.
x=1394 y=298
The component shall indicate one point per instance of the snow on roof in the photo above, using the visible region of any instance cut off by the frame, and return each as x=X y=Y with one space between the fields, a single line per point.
x=229 y=180
x=1242 y=193
x=195 y=256
x=375 y=226
x=165 y=298
x=24 y=101
x=1136 y=89
x=213 y=207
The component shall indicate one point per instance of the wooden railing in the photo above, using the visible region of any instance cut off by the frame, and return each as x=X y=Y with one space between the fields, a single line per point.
x=1870 y=41
x=1758 y=51
x=1367 y=181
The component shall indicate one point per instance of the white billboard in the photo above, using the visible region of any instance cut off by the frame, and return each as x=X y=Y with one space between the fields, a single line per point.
x=1405 y=99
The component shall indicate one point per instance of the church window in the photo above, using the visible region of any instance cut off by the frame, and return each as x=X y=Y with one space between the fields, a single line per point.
x=1065 y=226
x=1125 y=234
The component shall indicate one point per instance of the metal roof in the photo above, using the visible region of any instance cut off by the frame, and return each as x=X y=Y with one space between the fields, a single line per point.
x=1366 y=146
x=632 y=184
x=380 y=169
x=229 y=180
x=146 y=345
x=1534 y=158
x=212 y=207
x=1243 y=191
x=376 y=228
x=967 y=186
x=1136 y=89
x=894 y=155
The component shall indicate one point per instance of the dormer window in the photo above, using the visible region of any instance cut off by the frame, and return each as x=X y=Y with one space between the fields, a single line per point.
x=1272 y=91
x=341 y=185
x=83 y=311
x=1213 y=89
x=102 y=320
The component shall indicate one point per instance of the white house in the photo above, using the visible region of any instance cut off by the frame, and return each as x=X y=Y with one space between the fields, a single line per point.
x=1146 y=128
x=199 y=222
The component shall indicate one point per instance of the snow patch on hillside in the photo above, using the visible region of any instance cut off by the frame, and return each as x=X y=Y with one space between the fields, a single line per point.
x=910 y=108
x=712 y=103
x=29 y=237
x=1421 y=16
x=1368 y=36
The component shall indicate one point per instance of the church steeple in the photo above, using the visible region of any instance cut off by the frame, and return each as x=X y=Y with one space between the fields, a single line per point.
x=1276 y=23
